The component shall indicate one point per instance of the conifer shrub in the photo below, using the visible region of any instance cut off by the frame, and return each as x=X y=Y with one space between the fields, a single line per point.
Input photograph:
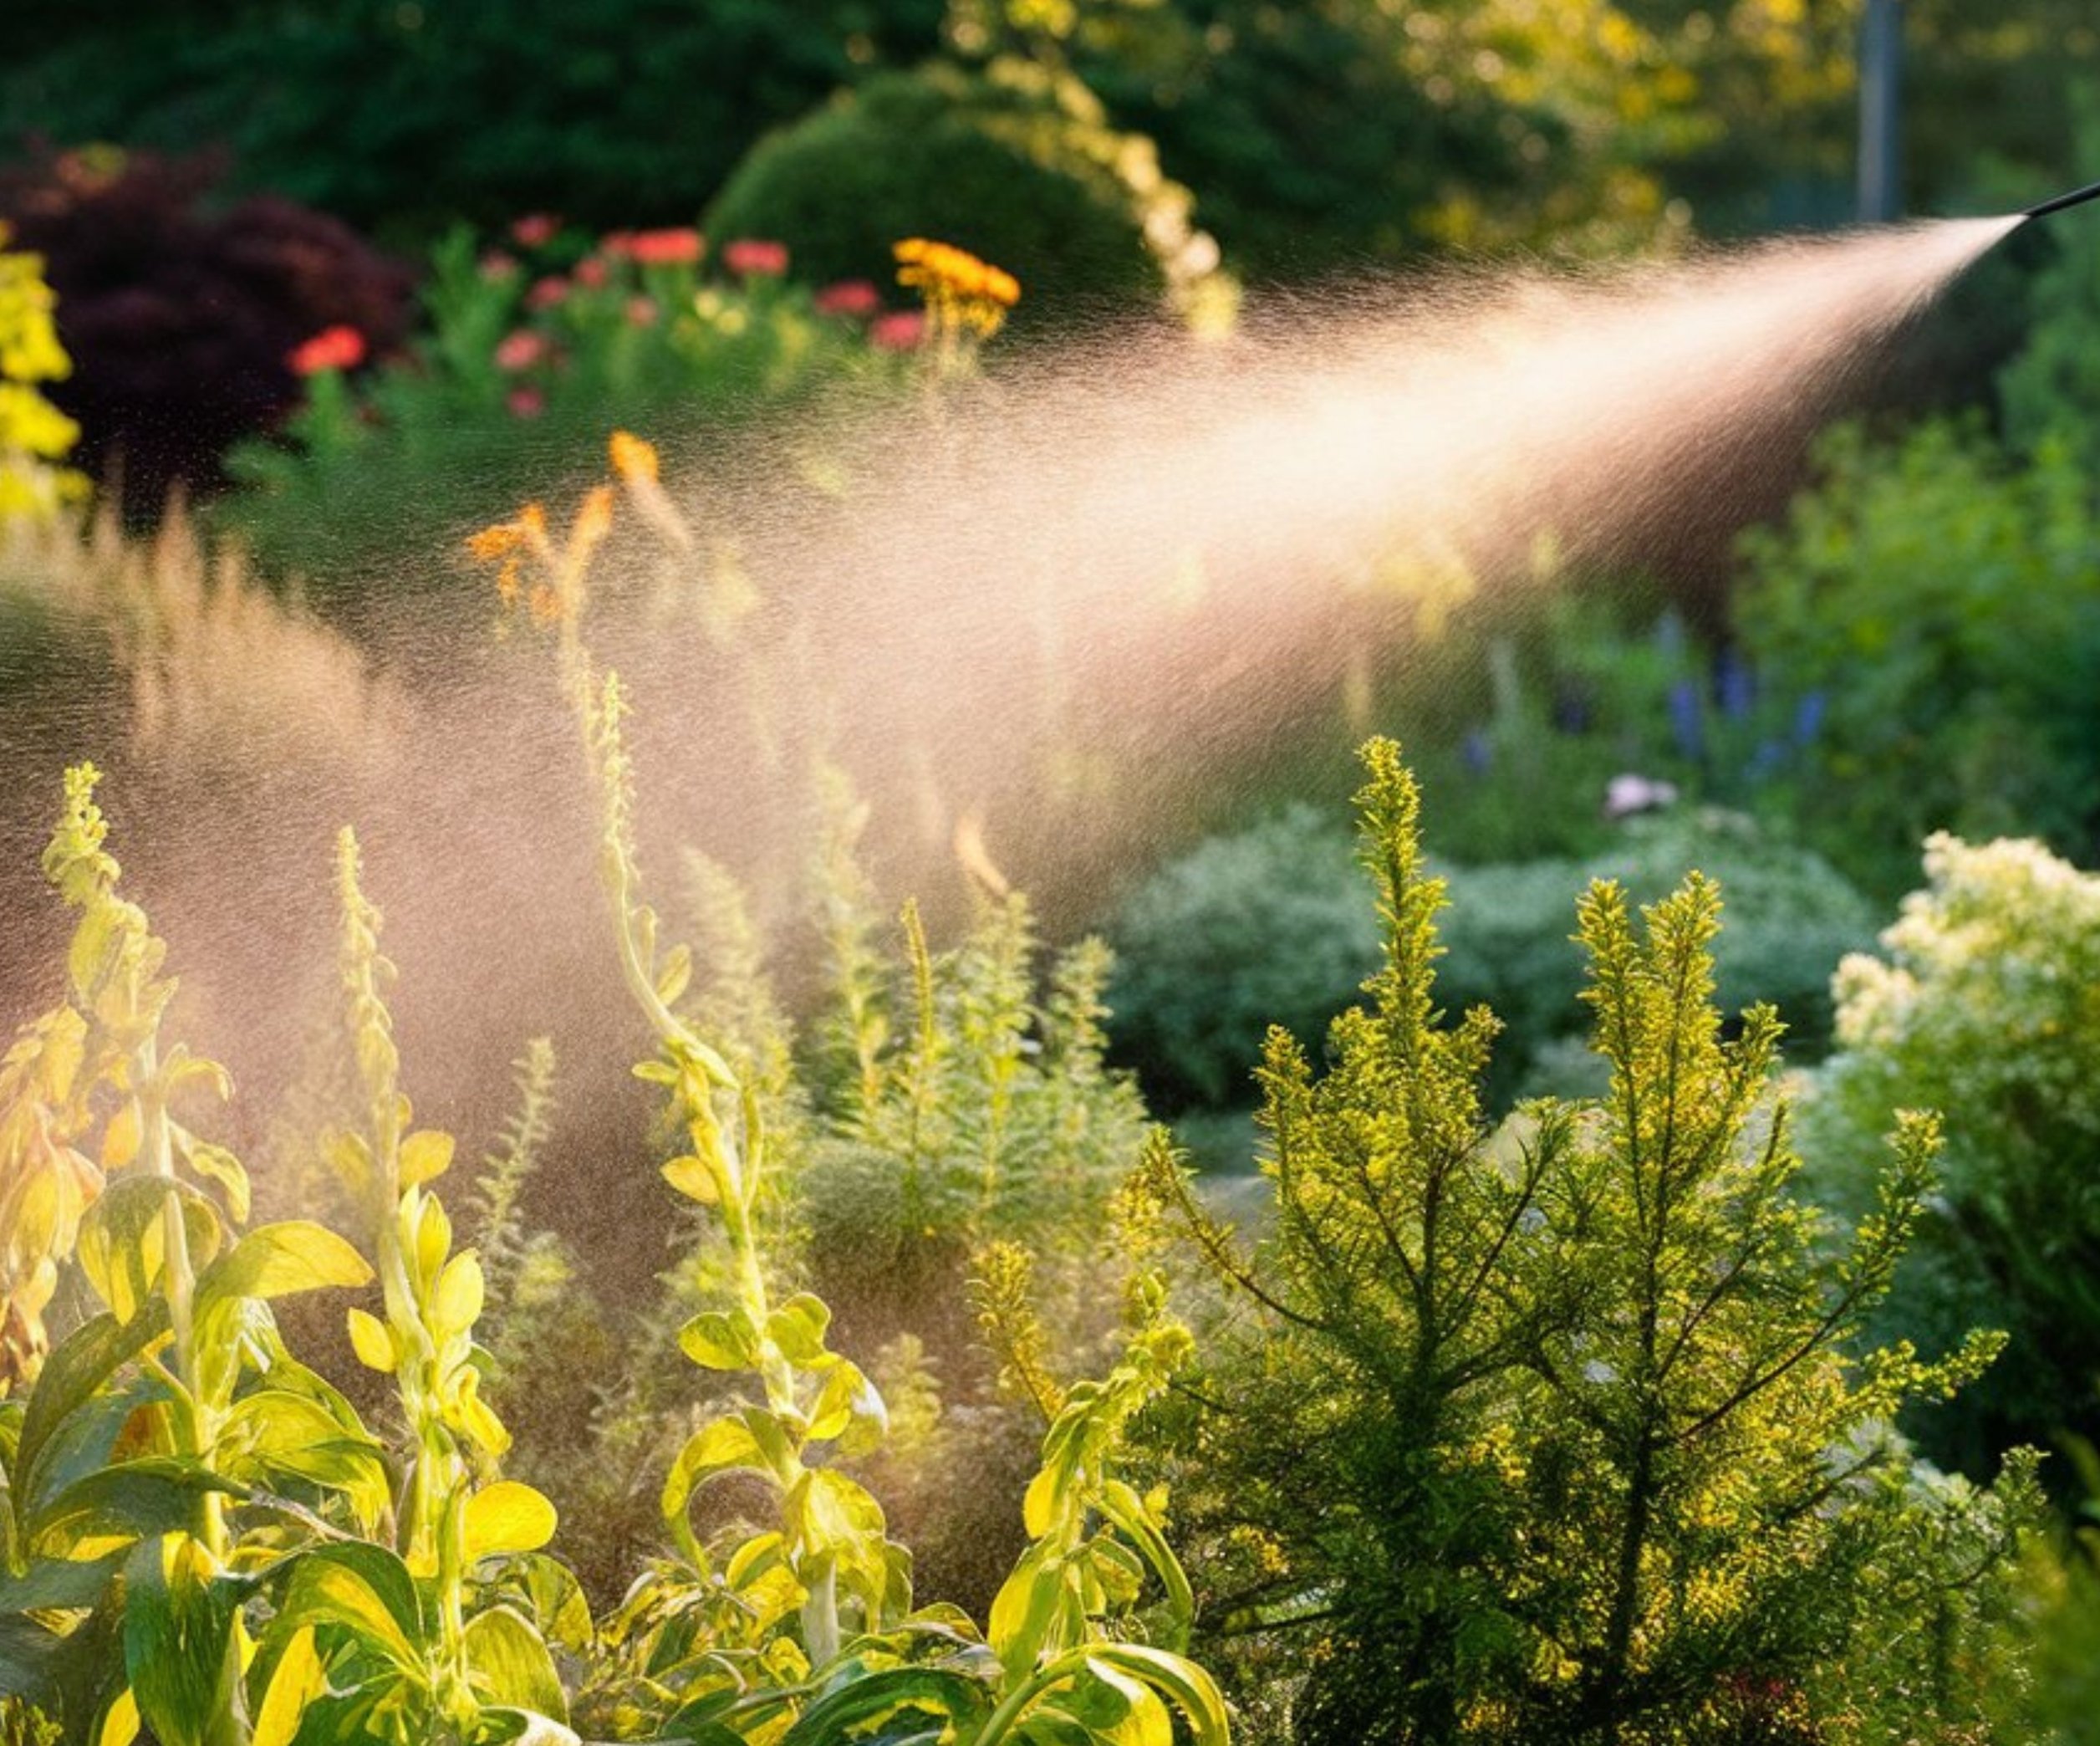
x=1016 y=163
x=1560 y=1433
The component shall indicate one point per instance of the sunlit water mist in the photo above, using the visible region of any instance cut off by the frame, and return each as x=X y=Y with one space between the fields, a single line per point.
x=1052 y=604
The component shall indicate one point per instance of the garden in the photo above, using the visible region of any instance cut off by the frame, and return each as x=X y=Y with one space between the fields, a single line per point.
x=1048 y=873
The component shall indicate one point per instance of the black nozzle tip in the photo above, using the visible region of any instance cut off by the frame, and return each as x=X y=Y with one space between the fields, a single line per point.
x=2077 y=196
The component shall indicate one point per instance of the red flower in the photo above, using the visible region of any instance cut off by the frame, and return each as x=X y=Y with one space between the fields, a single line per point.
x=497 y=265
x=591 y=272
x=535 y=230
x=340 y=347
x=547 y=292
x=520 y=351
x=750 y=259
x=526 y=402
x=850 y=297
x=901 y=330
x=664 y=248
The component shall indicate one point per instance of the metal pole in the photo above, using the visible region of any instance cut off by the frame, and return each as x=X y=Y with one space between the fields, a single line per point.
x=1881 y=112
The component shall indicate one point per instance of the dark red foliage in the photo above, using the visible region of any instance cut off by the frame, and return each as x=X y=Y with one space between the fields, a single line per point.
x=181 y=314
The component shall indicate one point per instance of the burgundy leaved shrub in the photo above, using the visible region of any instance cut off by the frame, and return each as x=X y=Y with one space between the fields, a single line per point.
x=182 y=313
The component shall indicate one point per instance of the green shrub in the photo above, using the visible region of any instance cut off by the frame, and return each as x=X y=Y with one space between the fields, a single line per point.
x=1933 y=602
x=1791 y=918
x=1014 y=163
x=1268 y=925
x=1983 y=1004
x=1264 y=925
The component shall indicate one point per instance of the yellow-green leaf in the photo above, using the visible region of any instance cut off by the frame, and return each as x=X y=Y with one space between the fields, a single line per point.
x=692 y=1177
x=278 y=1260
x=372 y=1341
x=425 y=1155
x=507 y=1516
x=297 y=1680
x=120 y=1722
x=120 y=1139
x=460 y=1290
x=216 y=1164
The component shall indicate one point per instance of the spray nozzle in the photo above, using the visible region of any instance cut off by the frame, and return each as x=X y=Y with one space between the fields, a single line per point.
x=2077 y=196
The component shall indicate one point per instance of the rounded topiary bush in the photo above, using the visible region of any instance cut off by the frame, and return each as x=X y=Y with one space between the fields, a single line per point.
x=1271 y=925
x=1013 y=163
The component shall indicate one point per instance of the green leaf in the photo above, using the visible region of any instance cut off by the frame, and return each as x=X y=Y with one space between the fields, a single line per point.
x=215 y=1164
x=278 y=1260
x=511 y=1666
x=848 y=1408
x=961 y=1703
x=797 y=1329
x=295 y=1681
x=832 y=1511
x=178 y=1619
x=31 y=1660
x=135 y=1500
x=722 y=1446
x=122 y=1238
x=272 y=1433
x=720 y=1340
x=1035 y=1606
x=1175 y=1678
x=59 y=1583
x=365 y=1588
x=75 y=1369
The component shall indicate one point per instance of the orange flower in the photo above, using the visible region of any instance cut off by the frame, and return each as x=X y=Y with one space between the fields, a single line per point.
x=593 y=522
x=961 y=291
x=340 y=347
x=526 y=533
x=632 y=459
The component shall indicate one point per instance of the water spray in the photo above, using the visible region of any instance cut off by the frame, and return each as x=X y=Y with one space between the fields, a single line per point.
x=2077 y=196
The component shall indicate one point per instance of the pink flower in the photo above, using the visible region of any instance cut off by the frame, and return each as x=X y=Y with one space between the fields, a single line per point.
x=526 y=402
x=901 y=330
x=664 y=248
x=535 y=230
x=748 y=258
x=340 y=347
x=591 y=272
x=497 y=265
x=641 y=311
x=547 y=292
x=520 y=351
x=850 y=297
